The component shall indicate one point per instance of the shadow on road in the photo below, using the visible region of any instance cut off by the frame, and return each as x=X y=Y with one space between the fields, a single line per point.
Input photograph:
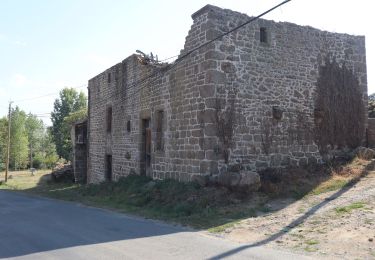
x=30 y=225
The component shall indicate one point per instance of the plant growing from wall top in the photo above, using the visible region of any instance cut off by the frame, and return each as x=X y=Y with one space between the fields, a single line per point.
x=339 y=108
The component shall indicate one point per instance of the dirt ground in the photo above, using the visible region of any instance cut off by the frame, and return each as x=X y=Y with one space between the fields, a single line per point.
x=332 y=225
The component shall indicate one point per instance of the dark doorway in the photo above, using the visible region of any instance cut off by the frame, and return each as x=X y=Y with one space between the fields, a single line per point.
x=146 y=148
x=108 y=167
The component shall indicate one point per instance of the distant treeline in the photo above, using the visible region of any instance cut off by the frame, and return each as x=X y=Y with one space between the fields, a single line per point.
x=32 y=144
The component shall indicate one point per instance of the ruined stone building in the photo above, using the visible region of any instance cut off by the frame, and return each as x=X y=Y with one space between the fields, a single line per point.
x=270 y=94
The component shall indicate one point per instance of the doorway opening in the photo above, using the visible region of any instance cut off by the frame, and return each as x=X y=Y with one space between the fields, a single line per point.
x=108 y=167
x=146 y=148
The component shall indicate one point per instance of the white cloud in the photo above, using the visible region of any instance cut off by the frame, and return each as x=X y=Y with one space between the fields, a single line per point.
x=98 y=59
x=6 y=39
x=20 y=43
x=19 y=80
x=3 y=92
x=101 y=61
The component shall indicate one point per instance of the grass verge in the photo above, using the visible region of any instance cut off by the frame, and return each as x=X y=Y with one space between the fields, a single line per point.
x=214 y=208
x=332 y=184
x=170 y=200
x=349 y=208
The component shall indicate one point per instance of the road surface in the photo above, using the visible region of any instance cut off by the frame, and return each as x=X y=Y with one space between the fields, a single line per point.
x=41 y=228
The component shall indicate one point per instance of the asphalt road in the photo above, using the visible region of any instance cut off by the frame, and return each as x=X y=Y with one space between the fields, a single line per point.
x=40 y=228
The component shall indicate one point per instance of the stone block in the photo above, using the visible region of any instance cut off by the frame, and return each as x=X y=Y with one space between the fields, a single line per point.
x=365 y=153
x=210 y=155
x=208 y=64
x=261 y=164
x=210 y=130
x=229 y=179
x=245 y=57
x=209 y=116
x=209 y=143
x=197 y=133
x=235 y=167
x=212 y=34
x=201 y=180
x=228 y=67
x=244 y=181
x=216 y=77
x=204 y=167
x=227 y=48
x=214 y=55
x=249 y=182
x=207 y=90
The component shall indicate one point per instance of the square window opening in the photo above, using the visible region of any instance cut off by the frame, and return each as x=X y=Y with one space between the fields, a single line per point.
x=263 y=35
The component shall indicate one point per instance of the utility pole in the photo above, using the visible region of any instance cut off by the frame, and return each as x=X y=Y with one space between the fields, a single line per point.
x=8 y=147
x=31 y=155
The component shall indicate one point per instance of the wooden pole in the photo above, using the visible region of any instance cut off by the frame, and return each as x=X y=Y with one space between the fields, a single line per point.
x=8 y=147
x=31 y=155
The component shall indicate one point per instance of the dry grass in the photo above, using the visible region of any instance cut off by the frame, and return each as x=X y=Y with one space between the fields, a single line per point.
x=298 y=183
x=342 y=176
x=23 y=180
x=334 y=183
x=202 y=207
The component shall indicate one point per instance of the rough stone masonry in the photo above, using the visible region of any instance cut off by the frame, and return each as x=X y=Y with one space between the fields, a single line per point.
x=259 y=97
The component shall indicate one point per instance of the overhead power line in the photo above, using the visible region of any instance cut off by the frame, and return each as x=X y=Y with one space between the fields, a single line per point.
x=46 y=95
x=46 y=116
x=172 y=57
x=197 y=48
x=228 y=32
x=234 y=29
x=141 y=81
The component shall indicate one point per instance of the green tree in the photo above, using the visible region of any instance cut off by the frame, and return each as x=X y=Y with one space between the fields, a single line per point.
x=371 y=106
x=35 y=134
x=31 y=142
x=69 y=101
x=3 y=141
x=19 y=143
x=47 y=156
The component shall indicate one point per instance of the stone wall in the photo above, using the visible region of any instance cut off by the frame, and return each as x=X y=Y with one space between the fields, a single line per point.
x=115 y=89
x=281 y=73
x=235 y=101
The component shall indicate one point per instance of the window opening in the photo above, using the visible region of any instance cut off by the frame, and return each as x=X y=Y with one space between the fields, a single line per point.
x=263 y=35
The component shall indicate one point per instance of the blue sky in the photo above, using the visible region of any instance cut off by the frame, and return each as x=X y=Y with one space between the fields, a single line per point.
x=47 y=45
